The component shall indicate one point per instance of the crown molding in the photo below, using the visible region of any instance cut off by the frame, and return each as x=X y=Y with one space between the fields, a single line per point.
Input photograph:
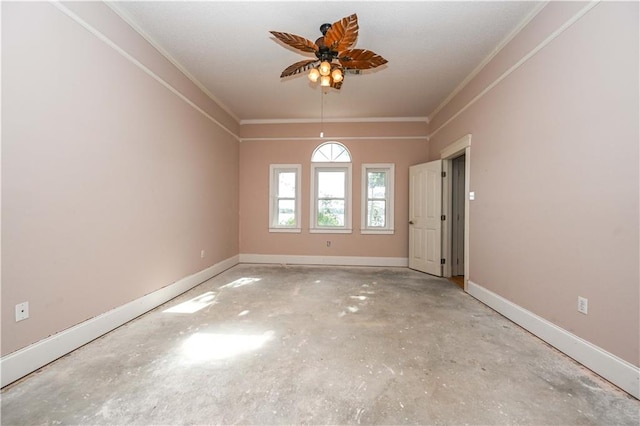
x=106 y=40
x=336 y=138
x=550 y=38
x=489 y=57
x=113 y=5
x=335 y=120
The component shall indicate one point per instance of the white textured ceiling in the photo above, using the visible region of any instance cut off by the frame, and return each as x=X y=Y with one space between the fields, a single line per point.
x=226 y=46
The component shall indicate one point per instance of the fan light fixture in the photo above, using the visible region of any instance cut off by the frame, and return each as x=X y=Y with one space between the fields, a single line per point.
x=314 y=75
x=333 y=51
x=329 y=75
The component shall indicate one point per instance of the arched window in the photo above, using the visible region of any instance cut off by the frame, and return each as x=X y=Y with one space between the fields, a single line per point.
x=331 y=189
x=331 y=152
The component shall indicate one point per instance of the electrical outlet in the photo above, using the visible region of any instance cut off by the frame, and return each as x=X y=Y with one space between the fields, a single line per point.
x=22 y=311
x=328 y=243
x=583 y=305
x=201 y=254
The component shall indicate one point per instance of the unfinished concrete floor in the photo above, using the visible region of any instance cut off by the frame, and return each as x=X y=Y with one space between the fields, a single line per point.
x=318 y=345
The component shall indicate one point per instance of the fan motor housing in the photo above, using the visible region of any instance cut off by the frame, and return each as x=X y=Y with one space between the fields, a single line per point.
x=324 y=53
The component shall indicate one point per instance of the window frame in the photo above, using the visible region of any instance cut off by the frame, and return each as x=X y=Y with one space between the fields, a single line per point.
x=319 y=151
x=341 y=161
x=331 y=167
x=274 y=172
x=389 y=169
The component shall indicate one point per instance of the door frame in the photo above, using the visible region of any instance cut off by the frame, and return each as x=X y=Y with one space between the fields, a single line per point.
x=447 y=154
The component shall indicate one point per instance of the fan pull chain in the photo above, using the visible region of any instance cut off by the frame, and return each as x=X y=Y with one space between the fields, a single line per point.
x=321 y=113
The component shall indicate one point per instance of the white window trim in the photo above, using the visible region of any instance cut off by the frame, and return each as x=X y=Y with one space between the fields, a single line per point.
x=331 y=160
x=389 y=168
x=274 y=169
x=346 y=229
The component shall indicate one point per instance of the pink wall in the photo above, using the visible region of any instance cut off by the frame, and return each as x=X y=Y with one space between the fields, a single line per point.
x=111 y=184
x=110 y=24
x=554 y=166
x=255 y=157
x=549 y=19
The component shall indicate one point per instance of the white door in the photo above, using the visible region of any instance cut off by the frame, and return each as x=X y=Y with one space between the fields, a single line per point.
x=425 y=209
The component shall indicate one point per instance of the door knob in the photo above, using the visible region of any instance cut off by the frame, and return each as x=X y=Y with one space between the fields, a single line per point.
x=410 y=222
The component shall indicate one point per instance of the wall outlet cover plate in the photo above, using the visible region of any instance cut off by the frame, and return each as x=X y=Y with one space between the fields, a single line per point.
x=22 y=311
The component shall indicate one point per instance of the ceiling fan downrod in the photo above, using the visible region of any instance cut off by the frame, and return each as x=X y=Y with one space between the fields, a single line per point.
x=324 y=28
x=324 y=53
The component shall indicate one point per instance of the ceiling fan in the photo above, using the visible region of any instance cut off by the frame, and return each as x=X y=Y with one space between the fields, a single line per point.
x=333 y=51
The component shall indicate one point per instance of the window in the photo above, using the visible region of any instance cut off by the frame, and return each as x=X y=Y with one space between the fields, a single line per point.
x=377 y=199
x=331 y=152
x=284 y=198
x=331 y=189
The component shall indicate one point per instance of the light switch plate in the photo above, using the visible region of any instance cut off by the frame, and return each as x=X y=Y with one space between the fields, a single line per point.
x=472 y=195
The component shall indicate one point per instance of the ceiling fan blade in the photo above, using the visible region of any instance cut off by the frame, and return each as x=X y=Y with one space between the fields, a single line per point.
x=296 y=41
x=342 y=34
x=360 y=59
x=299 y=67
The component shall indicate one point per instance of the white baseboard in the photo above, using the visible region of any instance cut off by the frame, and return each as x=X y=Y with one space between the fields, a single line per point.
x=325 y=260
x=24 y=361
x=616 y=370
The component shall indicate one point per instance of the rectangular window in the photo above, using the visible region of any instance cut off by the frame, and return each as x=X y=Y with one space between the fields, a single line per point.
x=331 y=201
x=377 y=199
x=284 y=197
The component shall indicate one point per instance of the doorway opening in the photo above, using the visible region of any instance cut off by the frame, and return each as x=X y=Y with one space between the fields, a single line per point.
x=433 y=197
x=457 y=220
x=456 y=164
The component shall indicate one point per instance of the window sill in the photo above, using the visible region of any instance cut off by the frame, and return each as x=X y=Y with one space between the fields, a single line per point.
x=330 y=231
x=291 y=230
x=378 y=231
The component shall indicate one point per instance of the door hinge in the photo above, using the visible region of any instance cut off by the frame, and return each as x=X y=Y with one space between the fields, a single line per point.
x=443 y=217
x=442 y=261
x=444 y=174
